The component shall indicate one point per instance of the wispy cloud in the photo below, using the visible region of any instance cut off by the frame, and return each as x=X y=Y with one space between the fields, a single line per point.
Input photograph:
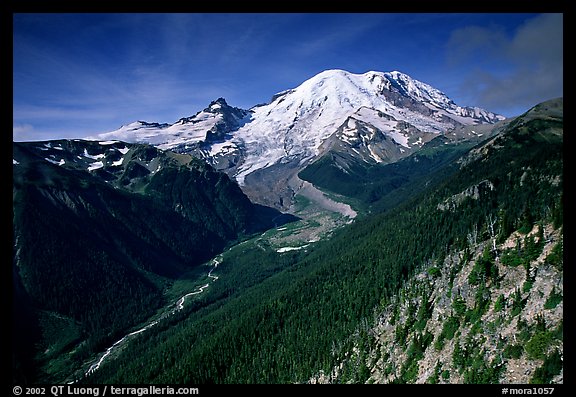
x=56 y=87
x=89 y=73
x=328 y=39
x=522 y=69
x=154 y=67
x=23 y=132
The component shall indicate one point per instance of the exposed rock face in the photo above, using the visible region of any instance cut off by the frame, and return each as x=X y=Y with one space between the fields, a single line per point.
x=447 y=326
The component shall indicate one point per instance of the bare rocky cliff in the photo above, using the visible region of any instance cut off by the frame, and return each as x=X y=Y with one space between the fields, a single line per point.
x=479 y=316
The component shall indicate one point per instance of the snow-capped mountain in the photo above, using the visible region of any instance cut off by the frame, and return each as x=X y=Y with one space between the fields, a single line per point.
x=210 y=124
x=377 y=117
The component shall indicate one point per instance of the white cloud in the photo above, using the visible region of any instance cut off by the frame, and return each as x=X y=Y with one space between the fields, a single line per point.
x=22 y=132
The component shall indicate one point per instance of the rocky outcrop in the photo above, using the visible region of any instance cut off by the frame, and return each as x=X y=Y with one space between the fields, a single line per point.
x=477 y=316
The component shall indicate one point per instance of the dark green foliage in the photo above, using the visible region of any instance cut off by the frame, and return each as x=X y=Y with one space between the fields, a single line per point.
x=556 y=256
x=100 y=255
x=537 y=346
x=382 y=186
x=526 y=221
x=476 y=328
x=523 y=334
x=499 y=304
x=450 y=327
x=481 y=372
x=458 y=356
x=513 y=351
x=424 y=313
x=558 y=212
x=471 y=363
x=552 y=366
x=533 y=245
x=484 y=268
x=530 y=278
x=298 y=318
x=558 y=332
x=459 y=305
x=401 y=334
x=553 y=299
x=415 y=353
x=542 y=339
x=92 y=279
x=505 y=226
x=525 y=252
x=540 y=325
x=511 y=258
x=517 y=303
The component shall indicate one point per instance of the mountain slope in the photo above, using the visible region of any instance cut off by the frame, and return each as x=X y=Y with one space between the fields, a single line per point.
x=298 y=121
x=476 y=316
x=316 y=311
x=493 y=311
x=112 y=224
x=207 y=126
x=373 y=117
x=378 y=186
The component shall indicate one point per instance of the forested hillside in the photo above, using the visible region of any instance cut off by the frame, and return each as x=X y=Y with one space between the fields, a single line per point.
x=381 y=186
x=299 y=321
x=479 y=316
x=100 y=231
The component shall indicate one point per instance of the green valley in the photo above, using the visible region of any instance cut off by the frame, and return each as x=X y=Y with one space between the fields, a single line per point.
x=287 y=317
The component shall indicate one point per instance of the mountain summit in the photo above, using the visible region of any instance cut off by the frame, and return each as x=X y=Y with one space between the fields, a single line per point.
x=377 y=117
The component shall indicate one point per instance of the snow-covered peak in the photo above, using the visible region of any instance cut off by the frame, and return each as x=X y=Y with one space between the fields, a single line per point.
x=347 y=88
x=216 y=120
x=374 y=83
x=138 y=131
x=296 y=122
x=378 y=90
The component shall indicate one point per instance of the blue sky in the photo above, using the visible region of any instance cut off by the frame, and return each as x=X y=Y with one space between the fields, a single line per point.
x=76 y=75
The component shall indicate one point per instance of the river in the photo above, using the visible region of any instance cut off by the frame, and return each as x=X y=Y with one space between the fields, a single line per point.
x=305 y=188
x=179 y=305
